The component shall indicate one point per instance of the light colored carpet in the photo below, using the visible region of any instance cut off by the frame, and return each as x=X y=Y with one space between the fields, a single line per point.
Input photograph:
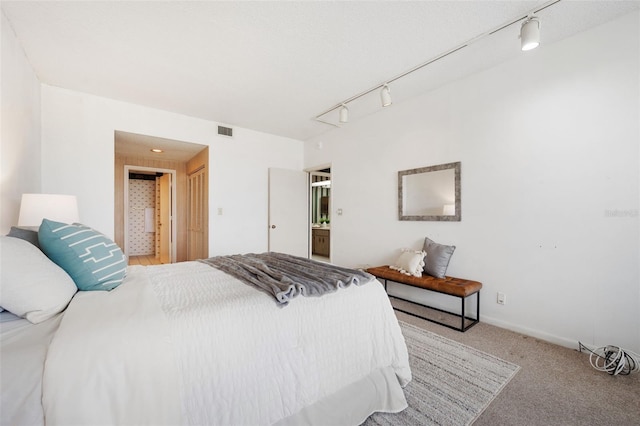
x=555 y=385
x=452 y=383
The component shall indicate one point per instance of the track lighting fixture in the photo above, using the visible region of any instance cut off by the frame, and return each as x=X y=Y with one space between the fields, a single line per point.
x=529 y=38
x=385 y=95
x=530 y=33
x=344 y=114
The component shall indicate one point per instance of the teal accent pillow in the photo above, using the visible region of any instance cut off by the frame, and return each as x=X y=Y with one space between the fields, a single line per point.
x=93 y=261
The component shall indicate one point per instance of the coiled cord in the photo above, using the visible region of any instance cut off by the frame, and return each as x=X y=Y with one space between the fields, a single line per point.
x=613 y=359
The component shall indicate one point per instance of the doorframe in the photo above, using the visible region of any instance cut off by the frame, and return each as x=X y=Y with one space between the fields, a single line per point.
x=174 y=205
x=310 y=171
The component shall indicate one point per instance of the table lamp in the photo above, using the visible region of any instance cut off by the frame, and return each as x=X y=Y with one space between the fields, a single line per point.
x=35 y=207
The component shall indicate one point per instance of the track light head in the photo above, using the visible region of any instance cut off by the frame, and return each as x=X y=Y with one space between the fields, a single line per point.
x=344 y=114
x=385 y=95
x=530 y=33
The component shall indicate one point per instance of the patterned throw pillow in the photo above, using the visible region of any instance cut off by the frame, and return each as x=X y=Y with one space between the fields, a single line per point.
x=94 y=261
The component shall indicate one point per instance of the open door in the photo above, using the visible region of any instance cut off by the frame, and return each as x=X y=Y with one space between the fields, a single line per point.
x=289 y=212
x=164 y=224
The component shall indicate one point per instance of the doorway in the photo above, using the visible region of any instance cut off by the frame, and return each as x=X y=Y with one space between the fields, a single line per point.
x=320 y=214
x=143 y=152
x=149 y=212
x=300 y=212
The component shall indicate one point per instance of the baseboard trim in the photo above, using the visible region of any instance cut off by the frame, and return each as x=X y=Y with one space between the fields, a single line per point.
x=551 y=338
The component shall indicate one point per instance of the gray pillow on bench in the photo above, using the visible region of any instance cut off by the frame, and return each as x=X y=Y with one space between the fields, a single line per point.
x=438 y=257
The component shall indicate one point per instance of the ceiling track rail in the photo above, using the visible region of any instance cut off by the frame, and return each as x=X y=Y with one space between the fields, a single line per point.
x=432 y=60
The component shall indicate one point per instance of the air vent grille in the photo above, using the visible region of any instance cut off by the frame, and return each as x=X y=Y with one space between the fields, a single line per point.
x=225 y=131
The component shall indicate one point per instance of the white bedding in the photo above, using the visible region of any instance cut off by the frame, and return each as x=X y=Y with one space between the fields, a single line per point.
x=23 y=349
x=188 y=344
x=111 y=360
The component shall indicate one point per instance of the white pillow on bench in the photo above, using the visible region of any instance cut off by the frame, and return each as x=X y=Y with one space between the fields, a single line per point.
x=410 y=262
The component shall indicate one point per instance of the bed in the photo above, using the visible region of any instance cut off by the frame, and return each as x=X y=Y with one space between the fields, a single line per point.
x=190 y=344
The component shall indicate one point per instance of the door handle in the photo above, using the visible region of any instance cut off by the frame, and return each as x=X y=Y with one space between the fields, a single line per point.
x=273 y=227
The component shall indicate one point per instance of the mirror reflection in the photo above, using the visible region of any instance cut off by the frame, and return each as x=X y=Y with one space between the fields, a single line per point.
x=430 y=193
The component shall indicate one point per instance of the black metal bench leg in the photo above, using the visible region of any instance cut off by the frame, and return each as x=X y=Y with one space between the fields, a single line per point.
x=463 y=316
x=462 y=319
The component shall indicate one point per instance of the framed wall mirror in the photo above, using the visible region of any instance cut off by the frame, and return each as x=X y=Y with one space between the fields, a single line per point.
x=430 y=193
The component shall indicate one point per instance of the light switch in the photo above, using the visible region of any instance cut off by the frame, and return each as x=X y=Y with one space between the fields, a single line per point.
x=339 y=212
x=219 y=211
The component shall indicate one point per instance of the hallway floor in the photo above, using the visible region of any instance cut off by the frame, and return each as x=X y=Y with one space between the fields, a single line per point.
x=144 y=260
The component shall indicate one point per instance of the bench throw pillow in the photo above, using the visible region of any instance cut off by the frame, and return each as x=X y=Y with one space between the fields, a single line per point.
x=438 y=257
x=410 y=262
x=94 y=261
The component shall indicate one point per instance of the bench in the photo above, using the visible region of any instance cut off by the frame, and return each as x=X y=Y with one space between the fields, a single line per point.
x=451 y=286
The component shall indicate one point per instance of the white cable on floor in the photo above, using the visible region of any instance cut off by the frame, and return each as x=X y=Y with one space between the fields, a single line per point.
x=613 y=360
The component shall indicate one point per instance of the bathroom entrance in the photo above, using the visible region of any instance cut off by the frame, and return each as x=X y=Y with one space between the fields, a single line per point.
x=149 y=212
x=320 y=200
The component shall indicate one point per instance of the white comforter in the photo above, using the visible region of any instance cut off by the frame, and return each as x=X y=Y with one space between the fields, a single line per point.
x=188 y=344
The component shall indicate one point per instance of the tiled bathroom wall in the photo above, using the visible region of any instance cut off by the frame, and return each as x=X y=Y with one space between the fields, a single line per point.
x=142 y=195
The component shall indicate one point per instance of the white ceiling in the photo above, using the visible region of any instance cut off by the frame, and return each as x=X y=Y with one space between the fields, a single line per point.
x=273 y=66
x=140 y=146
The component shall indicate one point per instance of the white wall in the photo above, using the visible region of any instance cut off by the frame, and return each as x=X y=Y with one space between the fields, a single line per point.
x=20 y=128
x=78 y=158
x=549 y=145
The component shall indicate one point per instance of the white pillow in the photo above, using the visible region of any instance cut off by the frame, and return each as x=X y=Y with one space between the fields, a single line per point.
x=31 y=285
x=410 y=262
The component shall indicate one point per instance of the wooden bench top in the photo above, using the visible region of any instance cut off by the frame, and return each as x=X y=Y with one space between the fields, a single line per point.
x=448 y=285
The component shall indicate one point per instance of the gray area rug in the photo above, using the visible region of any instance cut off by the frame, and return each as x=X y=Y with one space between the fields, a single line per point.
x=452 y=383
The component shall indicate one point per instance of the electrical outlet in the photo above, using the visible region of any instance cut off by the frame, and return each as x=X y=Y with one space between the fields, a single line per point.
x=502 y=299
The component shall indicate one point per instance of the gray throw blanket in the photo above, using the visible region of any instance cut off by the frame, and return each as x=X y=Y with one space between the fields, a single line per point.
x=285 y=277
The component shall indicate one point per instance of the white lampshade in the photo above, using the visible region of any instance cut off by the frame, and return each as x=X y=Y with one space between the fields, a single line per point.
x=35 y=207
x=530 y=34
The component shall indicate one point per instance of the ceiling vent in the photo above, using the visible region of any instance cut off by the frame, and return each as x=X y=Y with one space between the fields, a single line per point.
x=225 y=131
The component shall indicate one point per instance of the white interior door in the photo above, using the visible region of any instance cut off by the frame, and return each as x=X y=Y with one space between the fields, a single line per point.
x=289 y=212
